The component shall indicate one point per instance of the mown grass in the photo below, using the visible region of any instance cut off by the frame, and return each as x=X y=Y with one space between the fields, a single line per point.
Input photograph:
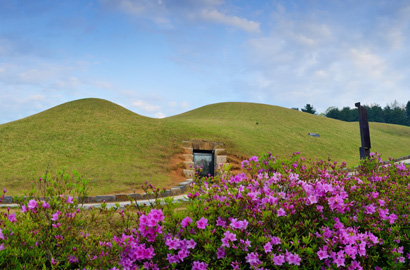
x=118 y=150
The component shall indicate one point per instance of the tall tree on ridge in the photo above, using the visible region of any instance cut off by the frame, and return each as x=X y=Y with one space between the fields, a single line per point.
x=309 y=109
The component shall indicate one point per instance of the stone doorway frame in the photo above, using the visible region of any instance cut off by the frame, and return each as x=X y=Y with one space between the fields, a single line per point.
x=220 y=159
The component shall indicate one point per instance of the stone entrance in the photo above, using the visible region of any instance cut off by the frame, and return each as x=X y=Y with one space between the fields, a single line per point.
x=204 y=159
x=209 y=155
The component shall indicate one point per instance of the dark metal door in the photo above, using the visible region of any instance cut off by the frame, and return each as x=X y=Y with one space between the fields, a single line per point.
x=204 y=160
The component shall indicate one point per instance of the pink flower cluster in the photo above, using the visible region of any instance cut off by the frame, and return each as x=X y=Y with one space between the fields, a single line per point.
x=149 y=225
x=350 y=242
x=181 y=246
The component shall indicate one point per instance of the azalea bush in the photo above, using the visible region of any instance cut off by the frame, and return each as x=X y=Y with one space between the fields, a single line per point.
x=52 y=231
x=278 y=214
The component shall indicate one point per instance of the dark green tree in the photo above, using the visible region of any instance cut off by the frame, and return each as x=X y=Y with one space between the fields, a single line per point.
x=387 y=111
x=397 y=114
x=375 y=113
x=349 y=115
x=333 y=112
x=309 y=109
x=408 y=112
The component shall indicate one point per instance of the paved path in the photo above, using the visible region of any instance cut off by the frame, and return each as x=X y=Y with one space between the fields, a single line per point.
x=113 y=204
x=407 y=161
x=141 y=202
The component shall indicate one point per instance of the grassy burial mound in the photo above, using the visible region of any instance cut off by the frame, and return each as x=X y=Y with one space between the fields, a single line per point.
x=118 y=150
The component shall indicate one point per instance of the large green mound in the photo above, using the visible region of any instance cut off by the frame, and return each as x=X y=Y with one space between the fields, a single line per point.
x=118 y=149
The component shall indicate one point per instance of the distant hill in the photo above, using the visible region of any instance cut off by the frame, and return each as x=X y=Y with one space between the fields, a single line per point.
x=118 y=149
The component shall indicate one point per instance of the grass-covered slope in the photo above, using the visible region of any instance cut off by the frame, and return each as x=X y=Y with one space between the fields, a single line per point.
x=118 y=149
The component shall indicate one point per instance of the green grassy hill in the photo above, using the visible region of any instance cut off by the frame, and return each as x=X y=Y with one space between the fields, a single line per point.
x=118 y=149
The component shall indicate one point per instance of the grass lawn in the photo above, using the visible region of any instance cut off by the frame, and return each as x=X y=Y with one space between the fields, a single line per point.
x=118 y=150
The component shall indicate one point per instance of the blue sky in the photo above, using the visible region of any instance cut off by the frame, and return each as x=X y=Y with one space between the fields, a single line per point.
x=163 y=57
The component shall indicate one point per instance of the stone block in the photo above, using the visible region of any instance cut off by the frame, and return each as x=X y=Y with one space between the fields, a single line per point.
x=188 y=157
x=189 y=173
x=166 y=193
x=7 y=199
x=146 y=196
x=135 y=196
x=189 y=165
x=219 y=151
x=185 y=183
x=121 y=197
x=176 y=191
x=221 y=159
x=87 y=199
x=106 y=198
x=188 y=150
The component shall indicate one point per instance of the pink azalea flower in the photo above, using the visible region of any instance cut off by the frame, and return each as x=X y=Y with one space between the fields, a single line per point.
x=197 y=265
x=202 y=223
x=339 y=261
x=278 y=259
x=370 y=209
x=351 y=251
x=69 y=199
x=220 y=222
x=32 y=204
x=281 y=212
x=268 y=247
x=143 y=220
x=12 y=218
x=191 y=244
x=172 y=243
x=252 y=259
x=182 y=254
x=55 y=216
x=1 y=234
x=172 y=258
x=186 y=221
x=157 y=215
x=275 y=240
x=45 y=205
x=322 y=254
x=225 y=242
x=230 y=236
x=392 y=218
x=220 y=254
x=293 y=258
x=356 y=265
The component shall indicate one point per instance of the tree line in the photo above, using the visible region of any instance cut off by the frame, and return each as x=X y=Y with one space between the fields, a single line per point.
x=393 y=113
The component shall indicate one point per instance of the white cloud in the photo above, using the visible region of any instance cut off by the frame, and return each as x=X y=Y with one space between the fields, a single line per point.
x=218 y=17
x=145 y=106
x=370 y=63
x=159 y=115
x=169 y=13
